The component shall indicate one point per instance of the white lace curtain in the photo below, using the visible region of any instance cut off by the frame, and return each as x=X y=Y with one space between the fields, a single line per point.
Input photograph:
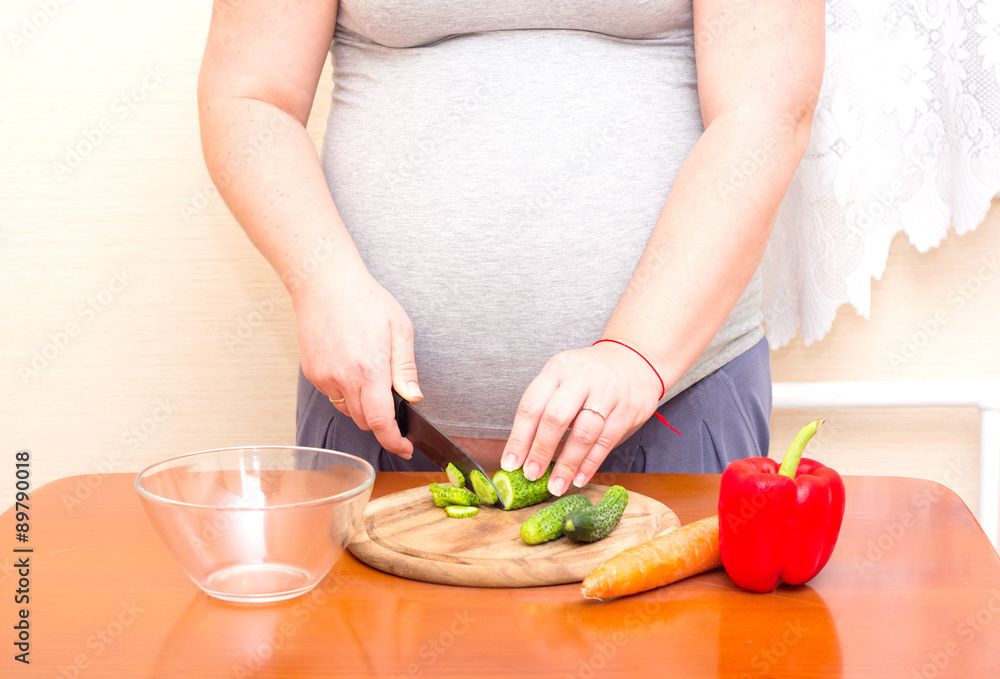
x=905 y=138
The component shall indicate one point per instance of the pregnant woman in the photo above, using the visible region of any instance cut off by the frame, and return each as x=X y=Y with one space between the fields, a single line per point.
x=542 y=222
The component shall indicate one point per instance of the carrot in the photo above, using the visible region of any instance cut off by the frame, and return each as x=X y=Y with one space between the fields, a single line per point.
x=687 y=551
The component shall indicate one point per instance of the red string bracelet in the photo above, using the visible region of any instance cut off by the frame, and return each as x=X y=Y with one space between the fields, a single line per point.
x=663 y=387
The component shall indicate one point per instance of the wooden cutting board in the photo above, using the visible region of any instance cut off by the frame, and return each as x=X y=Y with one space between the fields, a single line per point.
x=406 y=535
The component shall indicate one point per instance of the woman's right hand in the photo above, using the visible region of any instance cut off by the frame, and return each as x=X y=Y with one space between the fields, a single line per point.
x=356 y=344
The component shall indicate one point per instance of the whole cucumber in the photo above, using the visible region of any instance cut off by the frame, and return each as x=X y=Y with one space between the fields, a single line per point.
x=547 y=523
x=591 y=524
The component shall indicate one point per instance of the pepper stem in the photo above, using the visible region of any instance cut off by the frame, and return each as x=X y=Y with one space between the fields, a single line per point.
x=794 y=454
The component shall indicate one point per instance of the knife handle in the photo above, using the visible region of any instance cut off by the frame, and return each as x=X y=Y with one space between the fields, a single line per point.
x=400 y=411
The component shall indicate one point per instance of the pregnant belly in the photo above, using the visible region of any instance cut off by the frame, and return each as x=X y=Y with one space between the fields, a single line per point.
x=502 y=187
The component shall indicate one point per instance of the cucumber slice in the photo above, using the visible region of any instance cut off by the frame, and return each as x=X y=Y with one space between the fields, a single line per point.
x=459 y=512
x=591 y=524
x=516 y=491
x=451 y=495
x=482 y=487
x=547 y=523
x=455 y=475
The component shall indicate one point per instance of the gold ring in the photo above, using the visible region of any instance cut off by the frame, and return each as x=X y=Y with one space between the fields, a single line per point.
x=595 y=411
x=337 y=401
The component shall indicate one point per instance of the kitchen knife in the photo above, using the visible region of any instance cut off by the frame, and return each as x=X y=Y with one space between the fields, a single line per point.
x=432 y=442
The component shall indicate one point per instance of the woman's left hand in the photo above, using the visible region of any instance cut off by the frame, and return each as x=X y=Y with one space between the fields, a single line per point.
x=603 y=392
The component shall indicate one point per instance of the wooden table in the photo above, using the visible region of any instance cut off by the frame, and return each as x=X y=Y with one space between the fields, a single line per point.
x=912 y=590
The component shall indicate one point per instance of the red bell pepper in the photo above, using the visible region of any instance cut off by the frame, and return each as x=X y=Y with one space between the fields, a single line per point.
x=779 y=523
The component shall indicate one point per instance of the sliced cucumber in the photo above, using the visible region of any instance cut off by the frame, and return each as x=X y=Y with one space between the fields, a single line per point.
x=591 y=524
x=451 y=495
x=481 y=486
x=459 y=512
x=455 y=475
x=516 y=491
x=547 y=523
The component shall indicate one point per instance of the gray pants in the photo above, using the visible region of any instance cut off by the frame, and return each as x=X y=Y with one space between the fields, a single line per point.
x=721 y=418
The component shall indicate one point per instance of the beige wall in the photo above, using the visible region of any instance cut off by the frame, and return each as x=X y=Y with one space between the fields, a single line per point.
x=138 y=323
x=175 y=359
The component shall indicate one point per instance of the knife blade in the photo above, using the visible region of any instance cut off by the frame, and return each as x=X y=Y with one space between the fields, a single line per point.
x=434 y=443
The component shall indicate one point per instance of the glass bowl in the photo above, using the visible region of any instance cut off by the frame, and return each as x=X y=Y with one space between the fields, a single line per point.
x=256 y=524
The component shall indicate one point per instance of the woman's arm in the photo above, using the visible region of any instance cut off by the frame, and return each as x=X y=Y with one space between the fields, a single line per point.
x=259 y=74
x=759 y=75
x=262 y=63
x=760 y=64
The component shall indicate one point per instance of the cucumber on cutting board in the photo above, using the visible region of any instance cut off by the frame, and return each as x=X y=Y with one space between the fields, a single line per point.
x=455 y=475
x=450 y=495
x=517 y=491
x=591 y=524
x=547 y=523
x=481 y=486
x=460 y=512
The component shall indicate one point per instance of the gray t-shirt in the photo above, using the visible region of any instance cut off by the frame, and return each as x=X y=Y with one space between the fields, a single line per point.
x=501 y=166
